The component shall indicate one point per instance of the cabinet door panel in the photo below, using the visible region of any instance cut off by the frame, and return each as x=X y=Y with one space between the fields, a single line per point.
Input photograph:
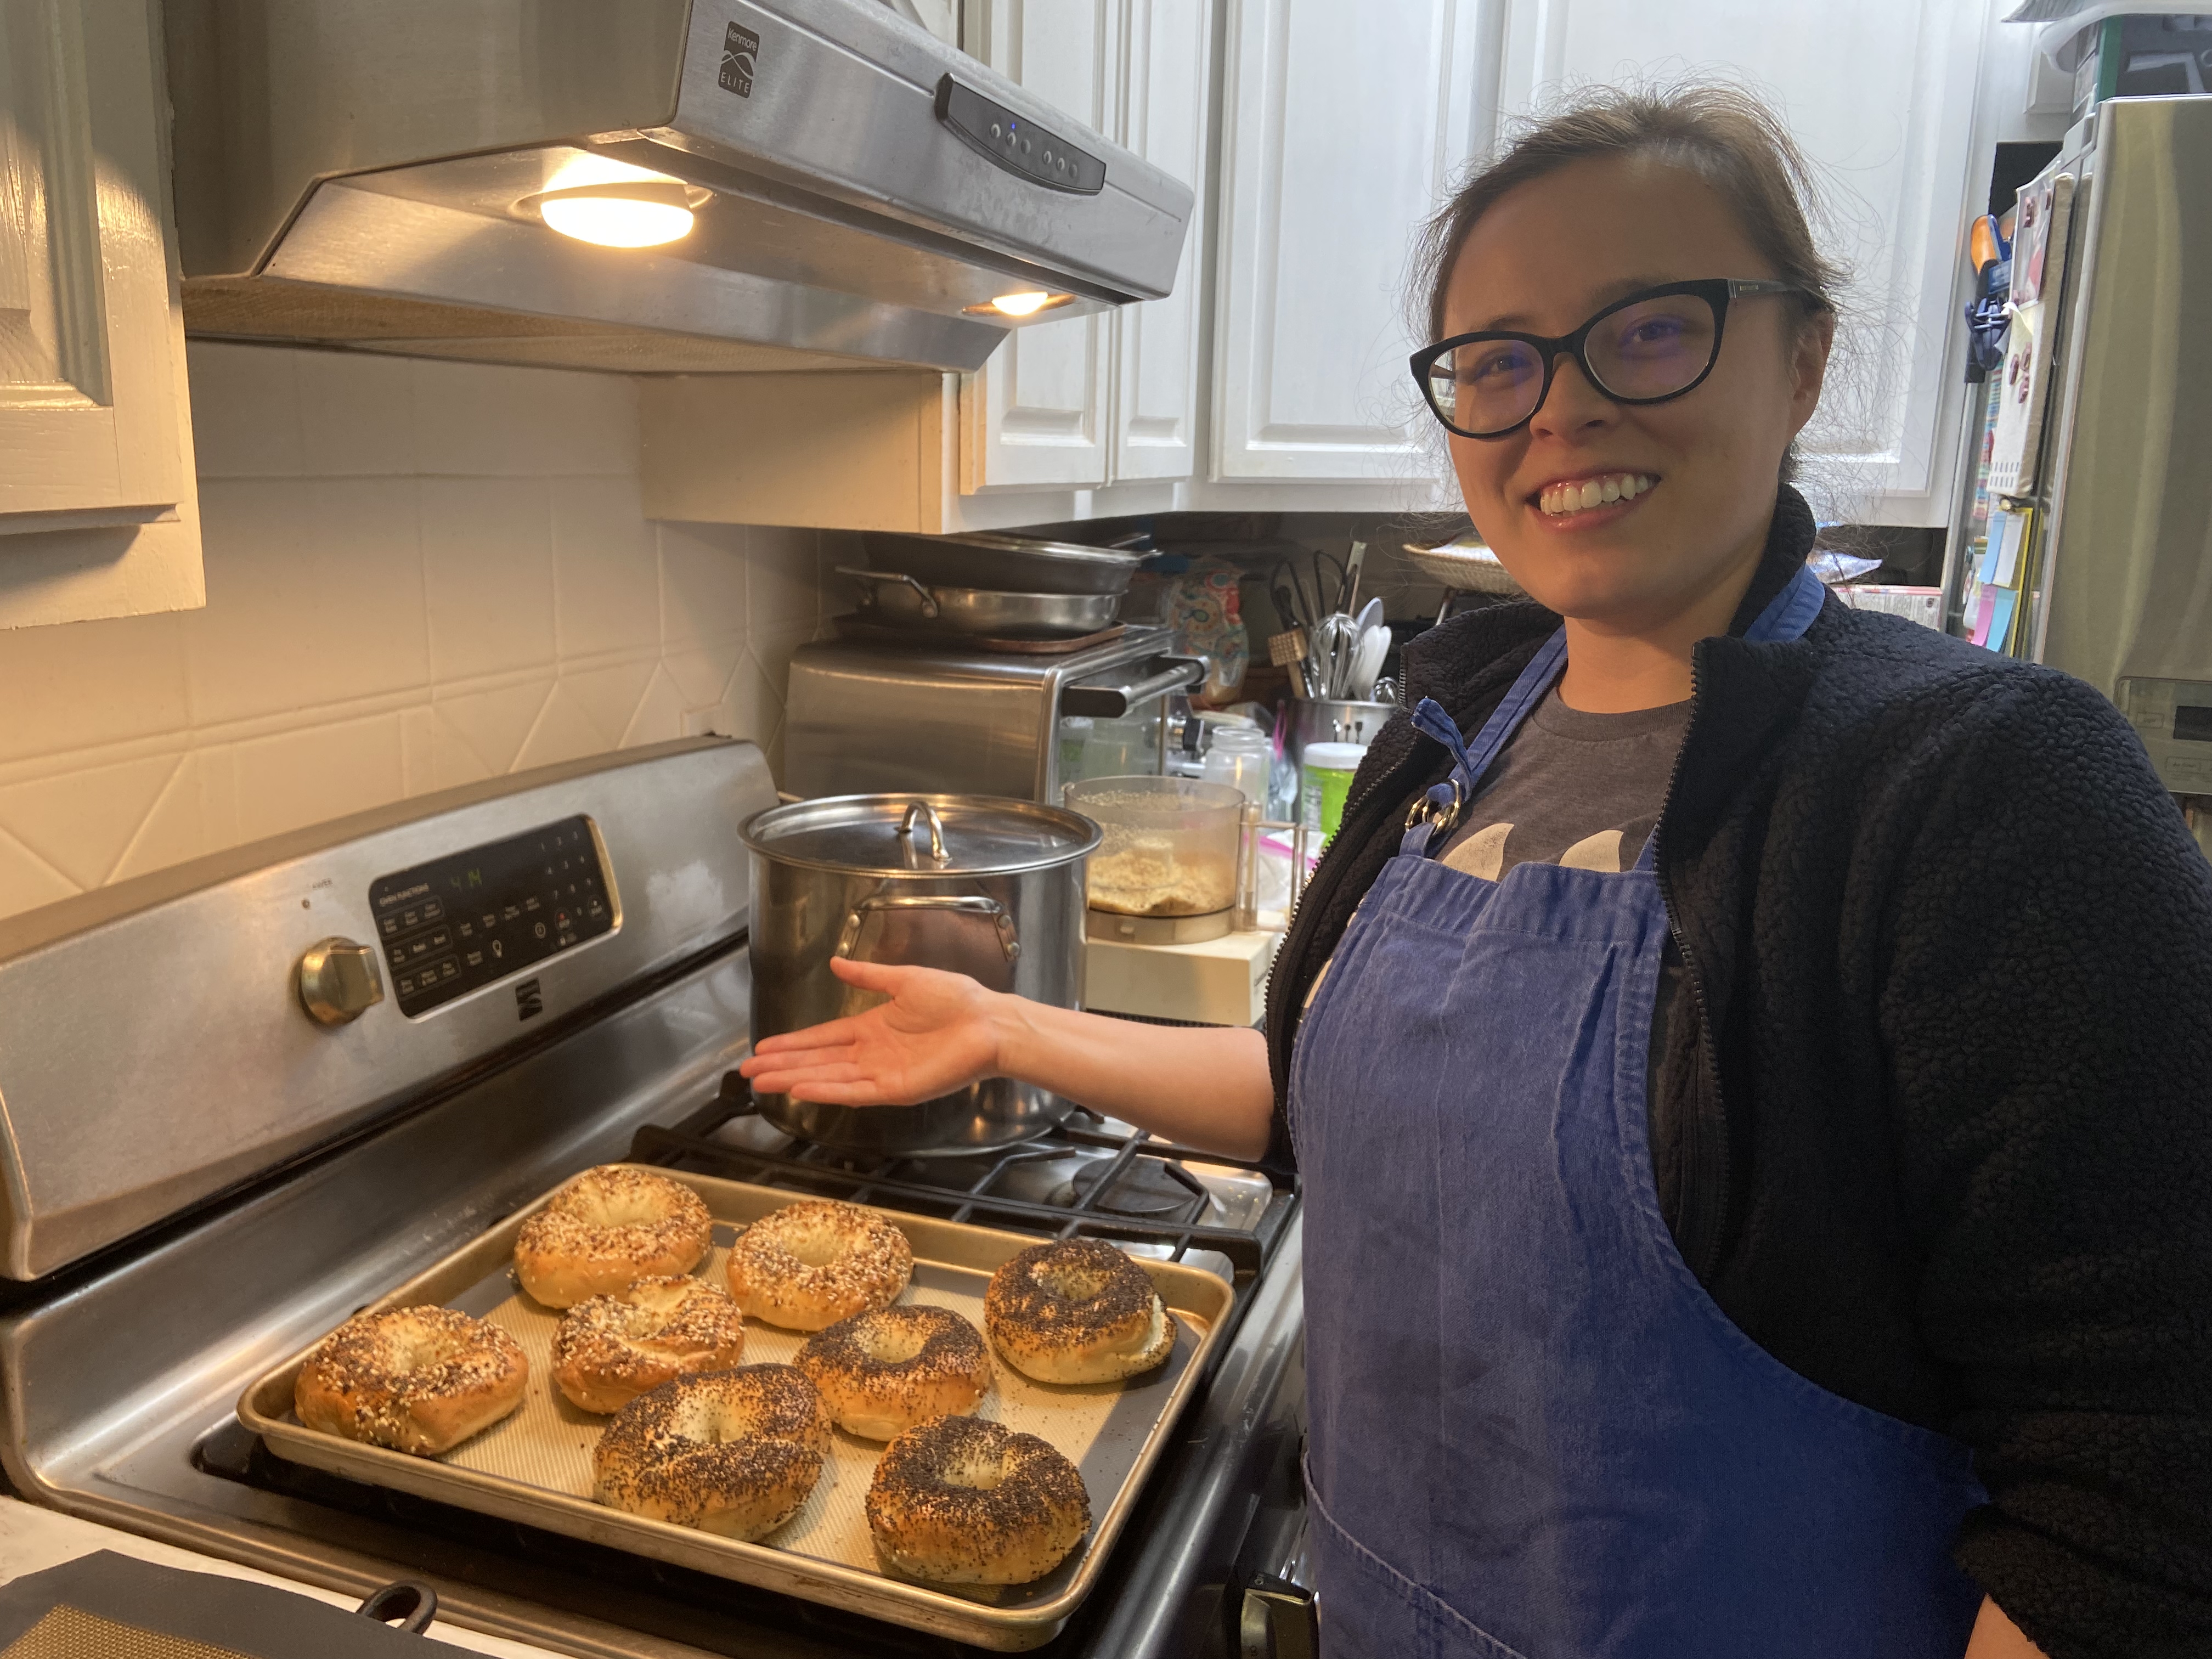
x=1880 y=96
x=1155 y=351
x=89 y=421
x=1035 y=415
x=1342 y=125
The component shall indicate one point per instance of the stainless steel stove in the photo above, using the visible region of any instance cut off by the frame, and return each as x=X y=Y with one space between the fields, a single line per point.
x=197 y=1175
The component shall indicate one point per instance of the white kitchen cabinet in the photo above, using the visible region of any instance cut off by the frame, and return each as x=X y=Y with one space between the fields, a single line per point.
x=1342 y=125
x=1881 y=96
x=97 y=511
x=1167 y=93
x=1095 y=418
x=1038 y=413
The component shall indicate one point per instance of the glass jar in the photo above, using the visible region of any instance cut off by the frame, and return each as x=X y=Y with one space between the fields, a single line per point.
x=1240 y=756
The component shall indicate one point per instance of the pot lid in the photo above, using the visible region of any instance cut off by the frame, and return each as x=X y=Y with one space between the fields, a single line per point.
x=921 y=834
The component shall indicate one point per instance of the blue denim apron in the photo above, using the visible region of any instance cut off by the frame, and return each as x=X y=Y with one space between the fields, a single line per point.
x=1532 y=1433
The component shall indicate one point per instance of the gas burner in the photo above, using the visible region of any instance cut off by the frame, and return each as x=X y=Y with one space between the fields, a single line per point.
x=1090 y=1174
x=1146 y=1188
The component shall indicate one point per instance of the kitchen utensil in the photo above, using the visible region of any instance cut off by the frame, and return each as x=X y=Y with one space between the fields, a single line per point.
x=1006 y=564
x=1169 y=847
x=107 y=1603
x=1386 y=690
x=1286 y=647
x=897 y=598
x=532 y=1468
x=1320 y=638
x=1335 y=657
x=1367 y=661
x=1327 y=594
x=1349 y=596
x=987 y=887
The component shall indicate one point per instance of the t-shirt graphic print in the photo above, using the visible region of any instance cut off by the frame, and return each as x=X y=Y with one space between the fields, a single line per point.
x=1572 y=788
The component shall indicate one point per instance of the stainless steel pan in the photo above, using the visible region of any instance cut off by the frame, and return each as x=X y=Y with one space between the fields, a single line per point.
x=1007 y=564
x=897 y=597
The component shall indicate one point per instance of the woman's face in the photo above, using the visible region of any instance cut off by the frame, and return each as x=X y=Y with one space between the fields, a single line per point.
x=1545 y=258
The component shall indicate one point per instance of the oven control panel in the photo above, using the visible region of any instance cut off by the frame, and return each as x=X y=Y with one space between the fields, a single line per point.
x=464 y=920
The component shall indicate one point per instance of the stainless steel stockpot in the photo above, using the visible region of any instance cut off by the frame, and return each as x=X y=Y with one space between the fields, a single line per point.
x=988 y=887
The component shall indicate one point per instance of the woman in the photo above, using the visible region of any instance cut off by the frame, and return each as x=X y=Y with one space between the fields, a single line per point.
x=1746 y=1059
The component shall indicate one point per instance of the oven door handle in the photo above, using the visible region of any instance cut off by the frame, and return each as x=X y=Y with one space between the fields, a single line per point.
x=1112 y=702
x=970 y=904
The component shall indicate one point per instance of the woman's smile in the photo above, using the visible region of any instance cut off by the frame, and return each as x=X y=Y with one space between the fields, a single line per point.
x=1589 y=499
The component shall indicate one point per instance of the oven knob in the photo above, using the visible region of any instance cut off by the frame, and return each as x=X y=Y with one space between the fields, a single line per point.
x=339 y=981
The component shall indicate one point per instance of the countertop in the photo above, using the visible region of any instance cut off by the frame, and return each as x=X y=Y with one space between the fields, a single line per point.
x=33 y=1539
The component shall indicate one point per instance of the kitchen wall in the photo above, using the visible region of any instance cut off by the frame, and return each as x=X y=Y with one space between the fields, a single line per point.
x=418 y=574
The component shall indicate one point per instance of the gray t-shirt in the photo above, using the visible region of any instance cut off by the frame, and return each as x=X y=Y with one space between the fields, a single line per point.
x=1572 y=788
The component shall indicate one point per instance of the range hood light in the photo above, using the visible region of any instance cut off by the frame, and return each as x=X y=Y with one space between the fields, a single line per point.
x=639 y=214
x=1025 y=304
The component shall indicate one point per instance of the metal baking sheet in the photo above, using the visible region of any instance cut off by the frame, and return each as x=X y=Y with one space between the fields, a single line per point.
x=535 y=1466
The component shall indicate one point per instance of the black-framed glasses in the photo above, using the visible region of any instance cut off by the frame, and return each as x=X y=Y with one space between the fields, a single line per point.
x=1658 y=343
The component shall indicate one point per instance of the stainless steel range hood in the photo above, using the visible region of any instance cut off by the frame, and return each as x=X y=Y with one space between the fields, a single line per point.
x=376 y=175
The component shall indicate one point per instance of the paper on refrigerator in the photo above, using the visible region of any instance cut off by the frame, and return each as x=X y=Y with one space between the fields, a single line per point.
x=2040 y=244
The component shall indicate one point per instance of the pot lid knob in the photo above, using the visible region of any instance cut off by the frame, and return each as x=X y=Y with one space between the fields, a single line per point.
x=922 y=810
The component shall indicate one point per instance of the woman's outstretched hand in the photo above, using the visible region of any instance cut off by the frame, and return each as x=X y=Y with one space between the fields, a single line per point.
x=936 y=1034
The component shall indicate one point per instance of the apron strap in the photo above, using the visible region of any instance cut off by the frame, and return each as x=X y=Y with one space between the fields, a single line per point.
x=1438 y=812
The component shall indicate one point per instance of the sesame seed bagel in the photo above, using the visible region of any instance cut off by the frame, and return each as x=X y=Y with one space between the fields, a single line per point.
x=731 y=1452
x=809 y=1265
x=606 y=1230
x=610 y=1349
x=419 y=1380
x=881 y=1372
x=964 y=1501
x=1077 y=1311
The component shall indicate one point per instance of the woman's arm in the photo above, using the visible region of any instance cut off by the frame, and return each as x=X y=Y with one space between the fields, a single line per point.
x=2045 y=1000
x=1205 y=1086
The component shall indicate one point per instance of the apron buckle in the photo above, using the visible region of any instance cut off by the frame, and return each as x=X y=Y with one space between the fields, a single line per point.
x=1431 y=806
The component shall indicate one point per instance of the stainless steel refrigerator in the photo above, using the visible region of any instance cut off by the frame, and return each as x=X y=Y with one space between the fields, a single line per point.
x=2117 y=581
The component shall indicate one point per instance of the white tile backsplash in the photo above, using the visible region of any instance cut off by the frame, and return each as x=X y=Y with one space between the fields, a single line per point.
x=487 y=574
x=314 y=595
x=420 y=574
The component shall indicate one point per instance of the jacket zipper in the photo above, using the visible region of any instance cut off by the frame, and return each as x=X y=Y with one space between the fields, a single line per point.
x=1696 y=1152
x=1353 y=807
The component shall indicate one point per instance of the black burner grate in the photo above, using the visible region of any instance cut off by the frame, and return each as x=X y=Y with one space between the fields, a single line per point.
x=969 y=1187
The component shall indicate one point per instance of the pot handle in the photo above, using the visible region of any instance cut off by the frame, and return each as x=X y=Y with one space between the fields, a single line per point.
x=849 y=935
x=867 y=579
